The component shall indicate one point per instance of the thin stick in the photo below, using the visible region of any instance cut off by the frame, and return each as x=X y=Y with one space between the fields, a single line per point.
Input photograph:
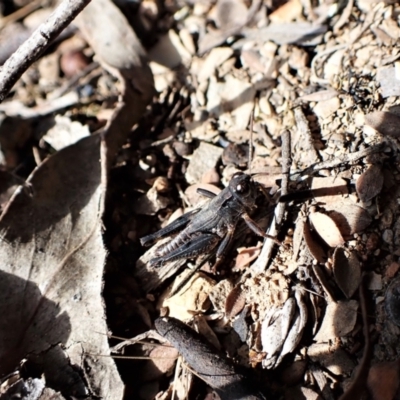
x=40 y=39
x=251 y=139
x=337 y=161
x=261 y=263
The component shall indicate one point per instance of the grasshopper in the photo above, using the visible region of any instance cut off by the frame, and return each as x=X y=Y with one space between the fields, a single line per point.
x=209 y=230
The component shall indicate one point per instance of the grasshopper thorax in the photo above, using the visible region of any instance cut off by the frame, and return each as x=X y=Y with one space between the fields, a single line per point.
x=244 y=189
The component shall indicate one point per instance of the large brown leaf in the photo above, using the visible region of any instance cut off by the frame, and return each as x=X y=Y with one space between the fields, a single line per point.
x=51 y=265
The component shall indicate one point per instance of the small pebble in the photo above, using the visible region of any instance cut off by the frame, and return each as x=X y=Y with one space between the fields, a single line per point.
x=73 y=62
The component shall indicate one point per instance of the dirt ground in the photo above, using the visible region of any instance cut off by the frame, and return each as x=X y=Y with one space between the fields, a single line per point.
x=140 y=114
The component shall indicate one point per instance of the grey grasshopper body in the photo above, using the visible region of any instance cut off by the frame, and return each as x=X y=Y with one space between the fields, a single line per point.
x=209 y=229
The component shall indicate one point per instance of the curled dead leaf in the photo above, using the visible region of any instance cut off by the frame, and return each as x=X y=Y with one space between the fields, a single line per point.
x=327 y=229
x=246 y=256
x=370 y=183
x=313 y=246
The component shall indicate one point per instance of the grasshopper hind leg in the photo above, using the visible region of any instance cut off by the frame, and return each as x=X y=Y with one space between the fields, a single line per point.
x=179 y=224
x=204 y=243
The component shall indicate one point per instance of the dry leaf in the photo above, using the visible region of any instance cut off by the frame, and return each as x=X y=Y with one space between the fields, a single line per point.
x=383 y=380
x=339 y=320
x=65 y=132
x=327 y=229
x=332 y=357
x=191 y=299
x=385 y=123
x=52 y=259
x=347 y=271
x=126 y=56
x=214 y=59
x=349 y=217
x=274 y=330
x=162 y=361
x=52 y=252
x=235 y=302
x=313 y=246
x=246 y=256
x=201 y=325
x=370 y=183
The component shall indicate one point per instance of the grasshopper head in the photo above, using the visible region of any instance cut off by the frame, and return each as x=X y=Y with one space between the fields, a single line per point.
x=244 y=189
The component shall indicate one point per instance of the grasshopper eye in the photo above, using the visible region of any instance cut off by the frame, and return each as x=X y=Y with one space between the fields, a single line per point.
x=242 y=187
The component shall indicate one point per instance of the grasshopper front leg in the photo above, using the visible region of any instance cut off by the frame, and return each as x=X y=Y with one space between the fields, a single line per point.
x=224 y=246
x=257 y=230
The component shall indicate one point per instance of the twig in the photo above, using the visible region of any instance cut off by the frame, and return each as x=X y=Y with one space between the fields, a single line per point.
x=304 y=130
x=263 y=258
x=338 y=161
x=40 y=39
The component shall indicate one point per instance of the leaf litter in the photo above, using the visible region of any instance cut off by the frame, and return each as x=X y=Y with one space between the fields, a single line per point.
x=326 y=74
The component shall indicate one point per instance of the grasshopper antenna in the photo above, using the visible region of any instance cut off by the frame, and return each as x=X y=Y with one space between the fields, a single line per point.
x=251 y=138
